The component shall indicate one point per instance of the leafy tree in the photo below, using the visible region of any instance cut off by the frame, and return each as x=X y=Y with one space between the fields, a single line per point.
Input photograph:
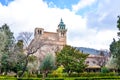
x=115 y=47
x=8 y=47
x=17 y=57
x=47 y=64
x=14 y=60
x=72 y=59
x=115 y=51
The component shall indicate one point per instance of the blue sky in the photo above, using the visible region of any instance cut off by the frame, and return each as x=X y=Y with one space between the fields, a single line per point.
x=63 y=3
x=5 y=2
x=90 y=23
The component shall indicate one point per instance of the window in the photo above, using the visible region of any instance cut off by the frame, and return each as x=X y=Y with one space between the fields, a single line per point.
x=62 y=34
x=39 y=32
x=93 y=62
x=87 y=62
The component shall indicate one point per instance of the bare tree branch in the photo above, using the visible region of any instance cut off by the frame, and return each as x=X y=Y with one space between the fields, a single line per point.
x=26 y=37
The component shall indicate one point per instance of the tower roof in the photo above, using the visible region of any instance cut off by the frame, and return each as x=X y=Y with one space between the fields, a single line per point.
x=61 y=24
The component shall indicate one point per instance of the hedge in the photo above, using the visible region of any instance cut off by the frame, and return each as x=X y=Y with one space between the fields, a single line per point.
x=76 y=78
x=65 y=78
x=85 y=74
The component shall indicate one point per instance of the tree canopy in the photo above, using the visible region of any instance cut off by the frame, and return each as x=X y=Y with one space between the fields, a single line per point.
x=72 y=59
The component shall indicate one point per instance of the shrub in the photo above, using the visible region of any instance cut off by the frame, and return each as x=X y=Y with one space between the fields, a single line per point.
x=32 y=75
x=39 y=75
x=104 y=70
x=50 y=75
x=92 y=74
x=74 y=75
x=24 y=75
x=64 y=75
x=58 y=72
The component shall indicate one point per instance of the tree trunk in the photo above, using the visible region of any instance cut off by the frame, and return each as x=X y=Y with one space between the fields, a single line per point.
x=24 y=69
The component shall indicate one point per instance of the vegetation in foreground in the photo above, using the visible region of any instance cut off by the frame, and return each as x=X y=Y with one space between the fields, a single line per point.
x=80 y=76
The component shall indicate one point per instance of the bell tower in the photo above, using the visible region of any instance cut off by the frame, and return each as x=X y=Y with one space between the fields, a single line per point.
x=62 y=32
x=38 y=32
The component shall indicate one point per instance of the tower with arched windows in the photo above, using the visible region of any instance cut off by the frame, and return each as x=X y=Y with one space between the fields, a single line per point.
x=58 y=37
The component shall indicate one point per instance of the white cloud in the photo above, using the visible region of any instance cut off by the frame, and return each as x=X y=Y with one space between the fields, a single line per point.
x=94 y=39
x=26 y=15
x=82 y=4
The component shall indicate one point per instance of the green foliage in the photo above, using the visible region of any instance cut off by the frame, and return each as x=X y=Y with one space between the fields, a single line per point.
x=8 y=47
x=80 y=76
x=2 y=41
x=66 y=78
x=48 y=63
x=12 y=58
x=32 y=75
x=32 y=58
x=104 y=70
x=9 y=37
x=24 y=75
x=39 y=75
x=60 y=69
x=20 y=45
x=115 y=47
x=32 y=65
x=58 y=72
x=85 y=74
x=19 y=63
x=111 y=64
x=72 y=59
x=4 y=63
x=118 y=23
x=12 y=62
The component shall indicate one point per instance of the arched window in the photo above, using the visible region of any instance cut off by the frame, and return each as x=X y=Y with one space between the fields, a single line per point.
x=62 y=34
x=39 y=32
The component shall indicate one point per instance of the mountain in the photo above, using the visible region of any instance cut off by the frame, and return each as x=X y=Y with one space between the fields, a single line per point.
x=89 y=50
